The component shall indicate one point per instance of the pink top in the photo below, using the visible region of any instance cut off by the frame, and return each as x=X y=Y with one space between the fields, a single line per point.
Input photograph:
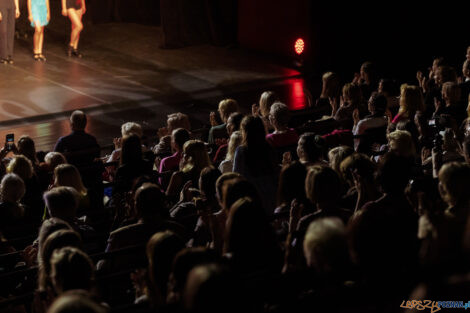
x=287 y=138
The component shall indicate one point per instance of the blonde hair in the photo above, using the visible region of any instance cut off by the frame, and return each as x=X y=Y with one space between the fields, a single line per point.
x=266 y=100
x=227 y=107
x=195 y=151
x=67 y=175
x=411 y=100
x=401 y=142
x=53 y=159
x=236 y=139
x=451 y=91
x=178 y=120
x=352 y=92
x=331 y=85
x=21 y=166
x=131 y=128
x=454 y=179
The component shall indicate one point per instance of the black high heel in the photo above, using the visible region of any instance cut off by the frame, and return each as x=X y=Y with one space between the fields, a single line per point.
x=77 y=54
x=36 y=56
x=42 y=58
x=70 y=51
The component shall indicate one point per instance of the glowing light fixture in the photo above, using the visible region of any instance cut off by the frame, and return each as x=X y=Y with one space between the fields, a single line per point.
x=299 y=46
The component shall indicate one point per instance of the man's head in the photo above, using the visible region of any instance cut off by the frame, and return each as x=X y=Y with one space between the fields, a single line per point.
x=78 y=121
x=62 y=202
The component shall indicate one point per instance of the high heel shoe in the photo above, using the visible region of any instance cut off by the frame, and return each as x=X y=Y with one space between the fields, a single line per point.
x=36 y=56
x=77 y=54
x=70 y=51
x=42 y=58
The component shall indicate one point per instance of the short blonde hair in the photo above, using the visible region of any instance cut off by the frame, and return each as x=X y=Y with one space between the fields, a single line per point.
x=325 y=236
x=227 y=107
x=21 y=166
x=131 y=128
x=53 y=159
x=401 y=142
x=178 y=120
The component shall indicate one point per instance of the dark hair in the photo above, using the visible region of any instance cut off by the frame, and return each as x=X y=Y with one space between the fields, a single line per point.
x=394 y=173
x=208 y=177
x=186 y=260
x=312 y=146
x=260 y=160
x=180 y=136
x=322 y=184
x=359 y=163
x=162 y=248
x=56 y=240
x=390 y=87
x=131 y=151
x=48 y=227
x=62 y=202
x=213 y=288
x=237 y=118
x=150 y=202
x=250 y=237
x=237 y=188
x=71 y=269
x=378 y=102
x=27 y=148
x=291 y=183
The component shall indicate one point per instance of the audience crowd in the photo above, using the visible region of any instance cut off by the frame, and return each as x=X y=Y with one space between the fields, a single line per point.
x=360 y=210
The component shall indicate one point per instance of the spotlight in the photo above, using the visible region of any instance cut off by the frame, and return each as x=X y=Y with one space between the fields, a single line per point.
x=299 y=46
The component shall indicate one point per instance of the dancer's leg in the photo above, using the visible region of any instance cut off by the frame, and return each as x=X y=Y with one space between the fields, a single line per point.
x=77 y=27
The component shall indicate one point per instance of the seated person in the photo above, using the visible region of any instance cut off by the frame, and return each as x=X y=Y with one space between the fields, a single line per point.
x=172 y=162
x=12 y=189
x=377 y=107
x=153 y=216
x=282 y=136
x=226 y=107
x=174 y=121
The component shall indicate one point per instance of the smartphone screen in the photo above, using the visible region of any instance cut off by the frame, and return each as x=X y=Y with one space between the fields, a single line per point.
x=10 y=138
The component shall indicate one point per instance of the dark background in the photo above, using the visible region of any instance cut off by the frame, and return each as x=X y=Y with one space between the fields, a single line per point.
x=399 y=36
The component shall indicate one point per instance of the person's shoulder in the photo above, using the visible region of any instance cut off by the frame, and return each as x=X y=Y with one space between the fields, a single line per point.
x=124 y=230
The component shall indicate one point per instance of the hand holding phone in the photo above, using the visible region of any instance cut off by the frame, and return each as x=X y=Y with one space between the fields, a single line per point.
x=9 y=141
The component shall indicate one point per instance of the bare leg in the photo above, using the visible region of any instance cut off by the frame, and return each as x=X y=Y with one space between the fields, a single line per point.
x=77 y=27
x=41 y=39
x=37 y=38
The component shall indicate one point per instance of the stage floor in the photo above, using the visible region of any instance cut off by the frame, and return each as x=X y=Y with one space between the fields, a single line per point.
x=124 y=76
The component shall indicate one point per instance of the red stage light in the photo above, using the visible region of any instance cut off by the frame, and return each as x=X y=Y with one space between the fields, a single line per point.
x=299 y=46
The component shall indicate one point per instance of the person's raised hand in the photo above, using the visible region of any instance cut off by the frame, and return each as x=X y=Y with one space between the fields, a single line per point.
x=355 y=116
x=213 y=119
x=286 y=158
x=117 y=143
x=162 y=132
x=255 y=110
